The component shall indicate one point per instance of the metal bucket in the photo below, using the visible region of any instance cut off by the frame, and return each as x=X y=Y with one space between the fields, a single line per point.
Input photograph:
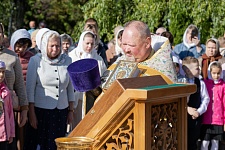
x=74 y=143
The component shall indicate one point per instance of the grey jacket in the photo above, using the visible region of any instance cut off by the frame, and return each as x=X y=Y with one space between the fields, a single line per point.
x=48 y=82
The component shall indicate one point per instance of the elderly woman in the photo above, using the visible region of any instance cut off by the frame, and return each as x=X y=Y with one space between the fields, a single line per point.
x=67 y=41
x=211 y=54
x=49 y=90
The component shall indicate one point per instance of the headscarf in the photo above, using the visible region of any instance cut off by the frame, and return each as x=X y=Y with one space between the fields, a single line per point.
x=19 y=34
x=79 y=50
x=185 y=37
x=209 y=72
x=39 y=36
x=207 y=60
x=118 y=49
x=94 y=30
x=2 y=84
x=44 y=46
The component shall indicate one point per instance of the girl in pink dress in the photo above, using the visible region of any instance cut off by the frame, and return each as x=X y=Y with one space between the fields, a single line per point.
x=214 y=118
x=7 y=126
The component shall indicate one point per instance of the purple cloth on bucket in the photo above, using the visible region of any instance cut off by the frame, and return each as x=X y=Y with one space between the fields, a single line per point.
x=84 y=74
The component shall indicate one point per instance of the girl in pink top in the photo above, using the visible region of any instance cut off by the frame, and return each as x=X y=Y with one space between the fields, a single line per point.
x=214 y=118
x=7 y=126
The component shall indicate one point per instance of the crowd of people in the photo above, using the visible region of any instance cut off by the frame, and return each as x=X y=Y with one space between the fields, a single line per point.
x=203 y=65
x=35 y=84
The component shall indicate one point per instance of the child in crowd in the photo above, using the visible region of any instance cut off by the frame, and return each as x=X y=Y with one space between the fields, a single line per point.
x=213 y=119
x=197 y=103
x=180 y=78
x=7 y=126
x=20 y=42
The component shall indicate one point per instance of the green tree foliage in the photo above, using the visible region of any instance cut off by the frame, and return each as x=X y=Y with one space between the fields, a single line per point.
x=207 y=15
x=108 y=13
x=5 y=10
x=60 y=15
x=175 y=15
x=69 y=15
x=152 y=12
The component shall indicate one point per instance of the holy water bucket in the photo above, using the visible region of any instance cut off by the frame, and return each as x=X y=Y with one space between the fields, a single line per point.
x=74 y=143
x=84 y=74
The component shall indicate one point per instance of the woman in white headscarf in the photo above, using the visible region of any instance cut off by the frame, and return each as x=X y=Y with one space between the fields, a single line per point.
x=191 y=45
x=211 y=54
x=118 y=40
x=39 y=36
x=85 y=49
x=114 y=46
x=49 y=90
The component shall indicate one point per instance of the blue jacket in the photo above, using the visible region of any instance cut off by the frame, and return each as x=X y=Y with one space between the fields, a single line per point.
x=183 y=51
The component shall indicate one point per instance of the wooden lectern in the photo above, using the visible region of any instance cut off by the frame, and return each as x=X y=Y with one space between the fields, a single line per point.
x=143 y=113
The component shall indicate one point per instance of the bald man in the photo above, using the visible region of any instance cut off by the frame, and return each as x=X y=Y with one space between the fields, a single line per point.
x=139 y=45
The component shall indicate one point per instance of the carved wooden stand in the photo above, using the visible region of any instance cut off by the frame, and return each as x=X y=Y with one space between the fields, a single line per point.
x=143 y=113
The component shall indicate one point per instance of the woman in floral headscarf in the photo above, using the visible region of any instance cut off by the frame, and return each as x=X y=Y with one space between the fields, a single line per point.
x=211 y=54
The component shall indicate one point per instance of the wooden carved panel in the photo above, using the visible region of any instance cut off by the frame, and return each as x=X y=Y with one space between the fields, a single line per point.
x=164 y=129
x=123 y=138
